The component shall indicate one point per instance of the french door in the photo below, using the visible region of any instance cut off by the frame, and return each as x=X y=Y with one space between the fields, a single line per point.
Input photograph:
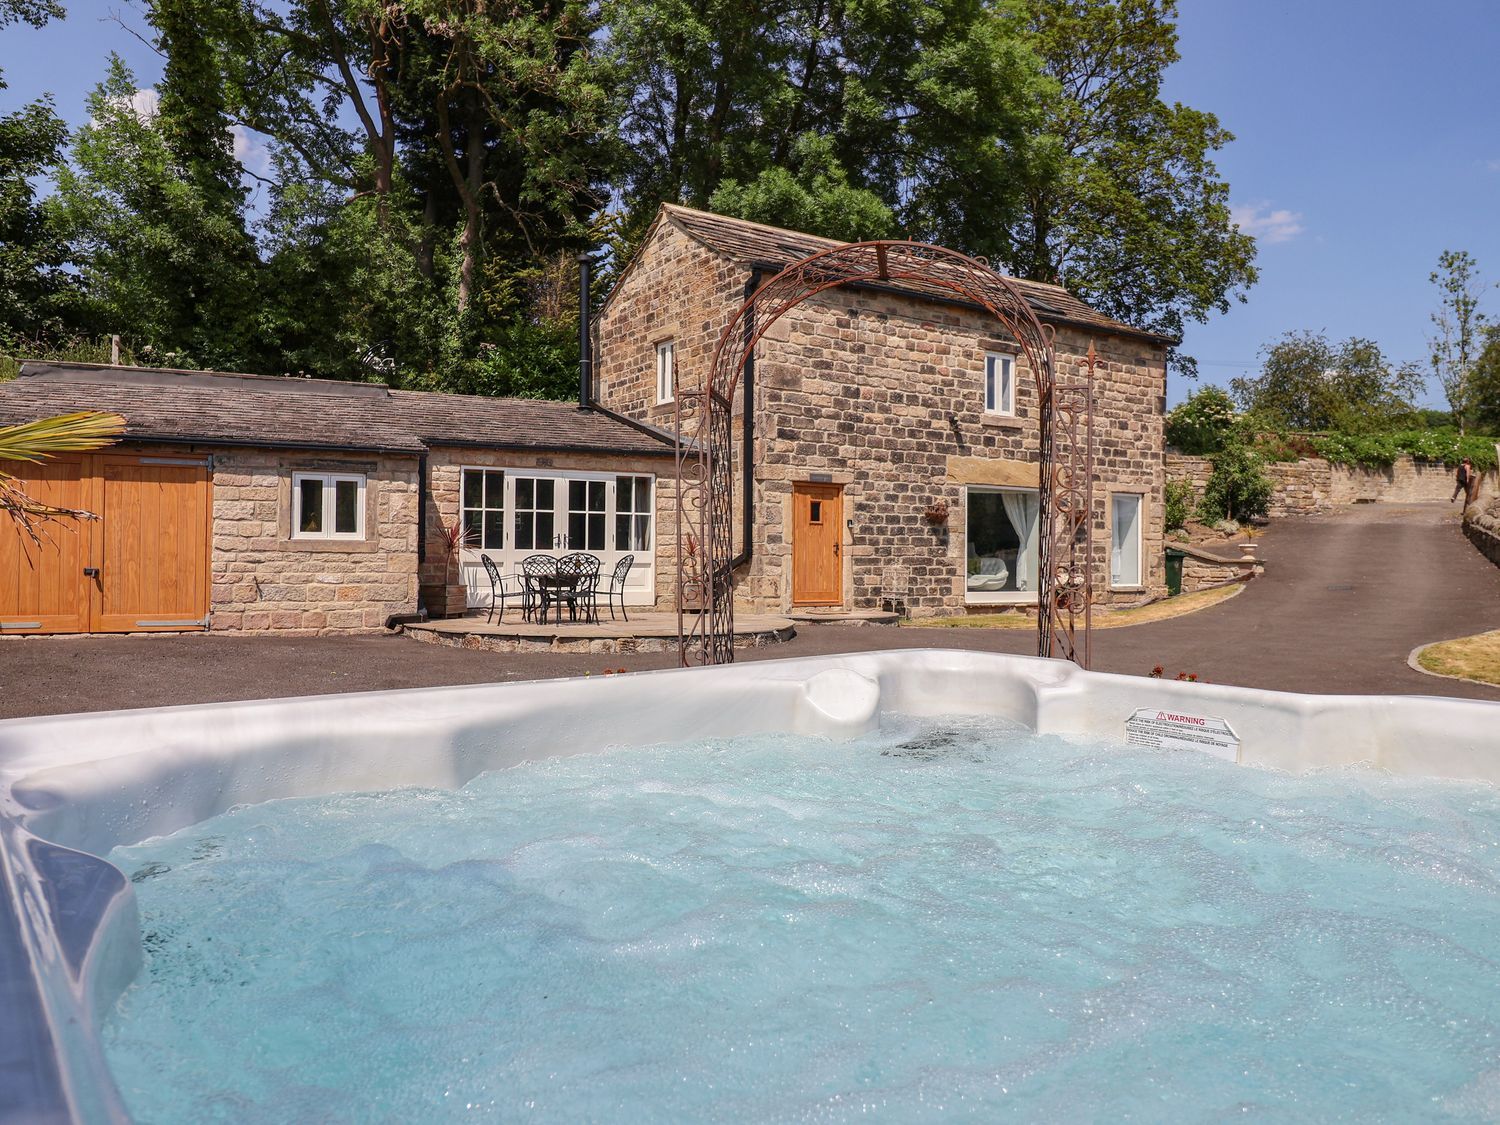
x=513 y=513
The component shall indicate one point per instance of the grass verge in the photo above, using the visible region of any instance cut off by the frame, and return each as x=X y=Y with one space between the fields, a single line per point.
x=1103 y=618
x=1469 y=658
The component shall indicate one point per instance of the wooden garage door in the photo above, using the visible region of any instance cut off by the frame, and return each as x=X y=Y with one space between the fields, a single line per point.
x=42 y=587
x=142 y=565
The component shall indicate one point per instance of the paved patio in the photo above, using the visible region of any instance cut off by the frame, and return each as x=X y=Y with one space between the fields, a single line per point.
x=644 y=632
x=1344 y=601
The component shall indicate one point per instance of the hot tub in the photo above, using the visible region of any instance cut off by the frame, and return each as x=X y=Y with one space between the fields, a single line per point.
x=74 y=787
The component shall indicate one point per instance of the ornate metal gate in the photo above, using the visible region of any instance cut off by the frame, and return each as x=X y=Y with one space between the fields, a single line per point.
x=705 y=447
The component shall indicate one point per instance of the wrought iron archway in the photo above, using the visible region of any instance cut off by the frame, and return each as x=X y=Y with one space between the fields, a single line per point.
x=705 y=465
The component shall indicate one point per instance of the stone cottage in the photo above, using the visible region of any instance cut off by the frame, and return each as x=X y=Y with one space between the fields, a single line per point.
x=246 y=502
x=887 y=439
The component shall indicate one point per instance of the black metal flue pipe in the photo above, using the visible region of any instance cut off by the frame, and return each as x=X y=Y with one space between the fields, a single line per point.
x=585 y=337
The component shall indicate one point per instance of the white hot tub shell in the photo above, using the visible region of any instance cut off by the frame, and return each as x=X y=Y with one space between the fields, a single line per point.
x=72 y=787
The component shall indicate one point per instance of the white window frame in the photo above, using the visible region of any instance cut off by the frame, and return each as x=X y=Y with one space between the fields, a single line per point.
x=1140 y=536
x=641 y=583
x=666 y=371
x=1000 y=384
x=329 y=482
x=995 y=597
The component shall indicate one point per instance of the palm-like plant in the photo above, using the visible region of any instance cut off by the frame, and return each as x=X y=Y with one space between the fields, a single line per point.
x=81 y=432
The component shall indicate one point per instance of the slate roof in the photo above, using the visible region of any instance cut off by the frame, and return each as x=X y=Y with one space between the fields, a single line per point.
x=223 y=408
x=772 y=249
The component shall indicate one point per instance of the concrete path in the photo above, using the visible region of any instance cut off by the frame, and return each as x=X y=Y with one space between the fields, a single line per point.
x=1344 y=601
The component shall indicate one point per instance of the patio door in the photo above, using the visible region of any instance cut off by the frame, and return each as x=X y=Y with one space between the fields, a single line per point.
x=513 y=513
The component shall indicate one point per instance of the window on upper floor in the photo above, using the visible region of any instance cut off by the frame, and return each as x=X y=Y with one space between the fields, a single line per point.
x=666 y=371
x=999 y=383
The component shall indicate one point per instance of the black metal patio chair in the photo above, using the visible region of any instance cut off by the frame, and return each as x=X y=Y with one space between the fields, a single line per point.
x=584 y=569
x=616 y=587
x=539 y=576
x=505 y=588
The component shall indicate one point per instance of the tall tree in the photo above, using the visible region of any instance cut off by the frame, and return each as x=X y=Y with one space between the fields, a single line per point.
x=1460 y=326
x=1484 y=385
x=1307 y=383
x=1124 y=204
x=33 y=251
x=34 y=281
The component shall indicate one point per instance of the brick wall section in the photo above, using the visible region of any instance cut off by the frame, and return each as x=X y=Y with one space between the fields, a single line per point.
x=444 y=472
x=878 y=392
x=1310 y=486
x=1482 y=526
x=264 y=580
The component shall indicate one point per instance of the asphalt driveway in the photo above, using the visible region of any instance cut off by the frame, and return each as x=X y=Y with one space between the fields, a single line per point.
x=1344 y=601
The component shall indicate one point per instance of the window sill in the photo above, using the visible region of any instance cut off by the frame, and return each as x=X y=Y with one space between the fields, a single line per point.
x=1002 y=599
x=1003 y=421
x=350 y=546
x=1136 y=589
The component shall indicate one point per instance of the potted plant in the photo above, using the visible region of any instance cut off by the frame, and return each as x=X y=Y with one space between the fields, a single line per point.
x=455 y=599
x=693 y=597
x=936 y=513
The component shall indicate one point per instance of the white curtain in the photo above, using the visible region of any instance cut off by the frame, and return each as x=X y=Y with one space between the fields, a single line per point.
x=1021 y=510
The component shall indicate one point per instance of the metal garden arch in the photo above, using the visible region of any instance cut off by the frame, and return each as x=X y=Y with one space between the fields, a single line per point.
x=705 y=455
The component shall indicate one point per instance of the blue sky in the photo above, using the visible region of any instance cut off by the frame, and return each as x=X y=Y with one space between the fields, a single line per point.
x=1367 y=142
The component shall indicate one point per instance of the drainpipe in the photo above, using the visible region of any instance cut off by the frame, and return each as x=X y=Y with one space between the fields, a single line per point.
x=747 y=459
x=585 y=336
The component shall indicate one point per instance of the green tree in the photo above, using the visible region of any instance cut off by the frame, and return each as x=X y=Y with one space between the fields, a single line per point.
x=1484 y=385
x=34 y=282
x=1123 y=202
x=1306 y=383
x=160 y=261
x=1460 y=328
x=1202 y=423
x=925 y=105
x=818 y=198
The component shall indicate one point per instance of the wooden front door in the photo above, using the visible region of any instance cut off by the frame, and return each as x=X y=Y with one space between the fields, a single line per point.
x=817 y=544
x=143 y=565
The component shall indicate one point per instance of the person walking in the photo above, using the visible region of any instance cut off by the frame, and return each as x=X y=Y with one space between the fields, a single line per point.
x=1467 y=482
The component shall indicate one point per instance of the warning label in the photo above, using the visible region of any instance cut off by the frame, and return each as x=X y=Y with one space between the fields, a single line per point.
x=1173 y=730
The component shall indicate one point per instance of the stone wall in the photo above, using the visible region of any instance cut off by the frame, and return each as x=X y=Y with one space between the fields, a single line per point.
x=1312 y=485
x=1482 y=526
x=444 y=471
x=266 y=581
x=1204 y=570
x=884 y=394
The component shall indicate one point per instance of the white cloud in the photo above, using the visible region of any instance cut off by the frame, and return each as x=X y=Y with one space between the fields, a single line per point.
x=1259 y=220
x=1492 y=165
x=250 y=150
x=142 y=103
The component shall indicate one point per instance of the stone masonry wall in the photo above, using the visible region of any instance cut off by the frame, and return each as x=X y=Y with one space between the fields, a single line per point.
x=444 y=471
x=266 y=581
x=1482 y=526
x=1310 y=486
x=884 y=394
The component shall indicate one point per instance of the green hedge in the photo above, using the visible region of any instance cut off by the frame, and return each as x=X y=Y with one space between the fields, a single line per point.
x=1379 y=451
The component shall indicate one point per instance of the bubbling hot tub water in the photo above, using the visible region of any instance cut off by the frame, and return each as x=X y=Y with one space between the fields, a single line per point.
x=947 y=916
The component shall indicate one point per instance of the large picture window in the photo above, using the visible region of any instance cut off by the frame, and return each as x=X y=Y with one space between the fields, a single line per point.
x=1125 y=540
x=1001 y=545
x=535 y=510
x=586 y=508
x=328 y=506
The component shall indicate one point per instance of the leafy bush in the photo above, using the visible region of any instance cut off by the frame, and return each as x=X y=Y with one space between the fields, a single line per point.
x=1178 y=503
x=1238 y=488
x=1379 y=451
x=1202 y=424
